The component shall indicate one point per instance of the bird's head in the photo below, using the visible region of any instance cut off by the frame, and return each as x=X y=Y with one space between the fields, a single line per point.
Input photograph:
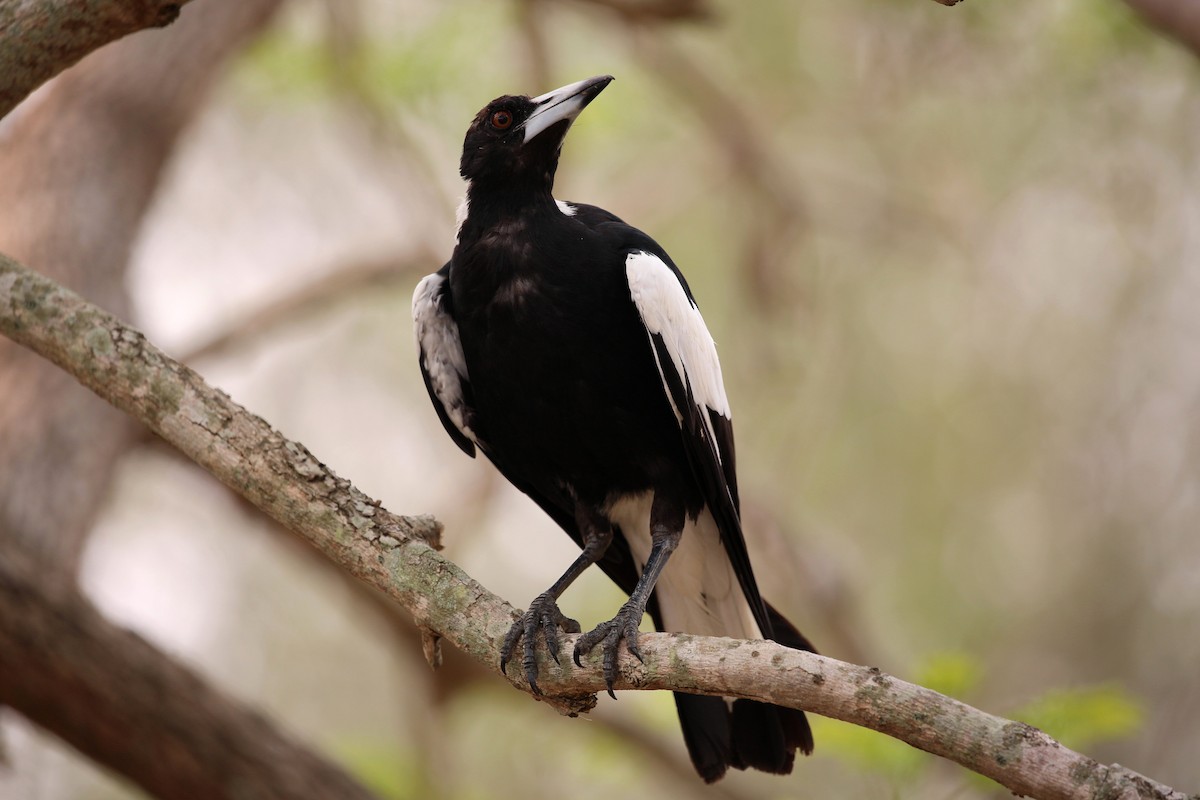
x=514 y=141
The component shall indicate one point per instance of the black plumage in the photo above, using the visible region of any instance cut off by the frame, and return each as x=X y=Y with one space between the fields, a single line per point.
x=567 y=347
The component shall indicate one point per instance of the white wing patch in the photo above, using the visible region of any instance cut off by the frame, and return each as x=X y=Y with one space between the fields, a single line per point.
x=441 y=350
x=566 y=208
x=666 y=311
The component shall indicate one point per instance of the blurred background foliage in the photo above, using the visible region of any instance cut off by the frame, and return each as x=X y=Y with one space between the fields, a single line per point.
x=950 y=256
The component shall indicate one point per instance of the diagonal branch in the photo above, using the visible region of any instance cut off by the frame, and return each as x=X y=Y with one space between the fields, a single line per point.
x=39 y=40
x=299 y=302
x=391 y=553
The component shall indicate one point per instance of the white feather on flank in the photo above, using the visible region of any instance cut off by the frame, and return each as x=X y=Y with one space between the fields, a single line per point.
x=698 y=591
x=441 y=350
x=666 y=310
x=565 y=207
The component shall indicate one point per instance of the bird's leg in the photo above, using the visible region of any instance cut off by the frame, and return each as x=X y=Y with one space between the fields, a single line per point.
x=666 y=528
x=543 y=613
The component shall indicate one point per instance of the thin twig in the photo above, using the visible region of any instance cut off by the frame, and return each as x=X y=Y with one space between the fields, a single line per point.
x=653 y=11
x=311 y=297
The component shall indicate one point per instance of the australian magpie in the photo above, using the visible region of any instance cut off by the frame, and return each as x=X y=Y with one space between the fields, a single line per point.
x=567 y=347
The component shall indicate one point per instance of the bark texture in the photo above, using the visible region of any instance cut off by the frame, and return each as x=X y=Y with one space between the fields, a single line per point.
x=391 y=553
x=37 y=40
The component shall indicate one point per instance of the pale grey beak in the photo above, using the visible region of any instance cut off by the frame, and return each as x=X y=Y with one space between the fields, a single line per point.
x=562 y=104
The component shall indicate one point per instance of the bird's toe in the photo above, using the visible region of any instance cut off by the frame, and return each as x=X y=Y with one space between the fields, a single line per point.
x=544 y=616
x=608 y=636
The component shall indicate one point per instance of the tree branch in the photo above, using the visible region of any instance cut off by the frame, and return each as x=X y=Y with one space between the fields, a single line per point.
x=40 y=39
x=389 y=552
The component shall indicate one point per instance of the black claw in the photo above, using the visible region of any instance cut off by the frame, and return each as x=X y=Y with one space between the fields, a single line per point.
x=510 y=643
x=608 y=636
x=543 y=615
x=610 y=661
x=549 y=629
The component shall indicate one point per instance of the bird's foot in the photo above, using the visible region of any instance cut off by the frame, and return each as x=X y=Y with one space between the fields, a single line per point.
x=609 y=635
x=543 y=615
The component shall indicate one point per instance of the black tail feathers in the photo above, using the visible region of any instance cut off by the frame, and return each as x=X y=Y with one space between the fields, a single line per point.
x=745 y=734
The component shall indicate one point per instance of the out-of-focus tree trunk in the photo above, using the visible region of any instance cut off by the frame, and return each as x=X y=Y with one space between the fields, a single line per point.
x=123 y=703
x=1179 y=19
x=79 y=163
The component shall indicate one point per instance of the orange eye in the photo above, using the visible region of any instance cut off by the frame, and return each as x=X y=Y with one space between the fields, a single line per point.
x=501 y=120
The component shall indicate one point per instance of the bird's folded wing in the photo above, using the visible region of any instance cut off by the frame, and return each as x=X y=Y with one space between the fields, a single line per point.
x=443 y=365
x=691 y=374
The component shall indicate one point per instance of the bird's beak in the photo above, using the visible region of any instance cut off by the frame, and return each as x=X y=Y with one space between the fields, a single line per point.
x=563 y=104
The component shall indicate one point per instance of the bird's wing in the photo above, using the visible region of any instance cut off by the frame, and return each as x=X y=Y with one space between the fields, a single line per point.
x=691 y=377
x=440 y=354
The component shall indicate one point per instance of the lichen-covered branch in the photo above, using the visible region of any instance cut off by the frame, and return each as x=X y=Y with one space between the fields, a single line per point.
x=393 y=553
x=40 y=39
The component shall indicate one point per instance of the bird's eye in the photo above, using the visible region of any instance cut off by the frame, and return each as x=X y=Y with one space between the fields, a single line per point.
x=501 y=120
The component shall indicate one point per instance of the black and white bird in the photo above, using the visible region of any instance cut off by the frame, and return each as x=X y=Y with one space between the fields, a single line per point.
x=566 y=346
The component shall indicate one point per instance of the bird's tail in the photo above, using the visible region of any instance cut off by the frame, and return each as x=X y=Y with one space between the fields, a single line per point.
x=745 y=734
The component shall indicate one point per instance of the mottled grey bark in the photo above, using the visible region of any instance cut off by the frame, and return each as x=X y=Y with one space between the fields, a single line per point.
x=40 y=39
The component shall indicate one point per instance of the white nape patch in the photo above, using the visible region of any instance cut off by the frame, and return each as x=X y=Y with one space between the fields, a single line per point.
x=460 y=213
x=566 y=208
x=666 y=310
x=441 y=350
x=698 y=591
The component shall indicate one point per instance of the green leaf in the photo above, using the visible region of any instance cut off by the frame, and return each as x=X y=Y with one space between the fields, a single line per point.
x=1081 y=717
x=952 y=673
x=868 y=749
x=392 y=772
